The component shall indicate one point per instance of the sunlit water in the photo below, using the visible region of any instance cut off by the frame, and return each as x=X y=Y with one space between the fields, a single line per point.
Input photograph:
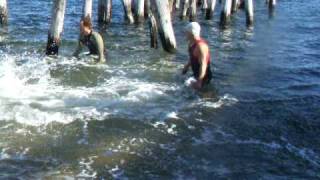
x=135 y=117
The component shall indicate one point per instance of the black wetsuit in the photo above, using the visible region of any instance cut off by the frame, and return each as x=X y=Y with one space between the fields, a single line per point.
x=94 y=43
x=195 y=64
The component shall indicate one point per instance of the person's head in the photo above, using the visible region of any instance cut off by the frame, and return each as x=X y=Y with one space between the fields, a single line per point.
x=193 y=31
x=86 y=26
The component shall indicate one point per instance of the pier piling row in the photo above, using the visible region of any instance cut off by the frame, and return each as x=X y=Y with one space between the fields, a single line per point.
x=158 y=12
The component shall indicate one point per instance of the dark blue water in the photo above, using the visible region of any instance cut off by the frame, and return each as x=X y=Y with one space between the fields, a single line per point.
x=135 y=118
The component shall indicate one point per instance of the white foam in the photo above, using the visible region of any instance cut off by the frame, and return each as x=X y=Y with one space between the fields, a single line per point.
x=172 y=130
x=158 y=124
x=30 y=96
x=190 y=81
x=7 y=153
x=86 y=169
x=225 y=100
x=4 y=154
x=117 y=173
x=84 y=139
x=173 y=115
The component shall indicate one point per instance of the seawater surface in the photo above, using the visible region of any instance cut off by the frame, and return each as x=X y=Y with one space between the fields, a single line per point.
x=135 y=118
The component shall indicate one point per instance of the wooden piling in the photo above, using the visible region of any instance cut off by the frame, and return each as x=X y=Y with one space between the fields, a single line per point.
x=54 y=34
x=127 y=6
x=205 y=5
x=171 y=5
x=199 y=3
x=3 y=12
x=241 y=4
x=272 y=4
x=146 y=8
x=153 y=31
x=185 y=8
x=249 y=12
x=87 y=9
x=235 y=6
x=177 y=4
x=104 y=11
x=139 y=11
x=226 y=12
x=210 y=10
x=164 y=22
x=193 y=10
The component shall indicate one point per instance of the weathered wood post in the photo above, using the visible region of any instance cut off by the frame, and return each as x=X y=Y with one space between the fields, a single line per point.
x=185 y=7
x=272 y=4
x=241 y=4
x=199 y=3
x=3 y=12
x=210 y=10
x=226 y=12
x=171 y=5
x=205 y=5
x=153 y=31
x=193 y=10
x=127 y=6
x=166 y=31
x=104 y=11
x=177 y=4
x=87 y=9
x=249 y=12
x=139 y=11
x=86 y=12
x=146 y=8
x=54 y=34
x=235 y=6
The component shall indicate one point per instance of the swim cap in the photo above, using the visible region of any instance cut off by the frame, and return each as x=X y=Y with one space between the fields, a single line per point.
x=193 y=28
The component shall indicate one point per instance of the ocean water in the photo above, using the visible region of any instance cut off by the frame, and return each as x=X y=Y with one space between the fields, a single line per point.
x=135 y=118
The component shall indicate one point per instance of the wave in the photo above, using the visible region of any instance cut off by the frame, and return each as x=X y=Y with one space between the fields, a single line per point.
x=217 y=136
x=35 y=90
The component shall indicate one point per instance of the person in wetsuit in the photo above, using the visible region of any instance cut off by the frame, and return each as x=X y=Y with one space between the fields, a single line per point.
x=199 y=53
x=91 y=39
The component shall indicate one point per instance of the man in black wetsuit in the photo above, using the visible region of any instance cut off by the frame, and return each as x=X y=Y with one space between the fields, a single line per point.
x=92 y=40
x=199 y=53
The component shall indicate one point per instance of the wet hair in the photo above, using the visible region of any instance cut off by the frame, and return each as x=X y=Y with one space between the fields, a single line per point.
x=87 y=22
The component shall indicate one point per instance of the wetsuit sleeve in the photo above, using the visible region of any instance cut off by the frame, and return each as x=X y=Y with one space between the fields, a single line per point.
x=79 y=48
x=100 y=46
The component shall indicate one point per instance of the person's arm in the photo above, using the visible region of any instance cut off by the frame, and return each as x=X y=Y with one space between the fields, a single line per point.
x=203 y=61
x=186 y=67
x=203 y=54
x=79 y=48
x=102 y=59
x=100 y=47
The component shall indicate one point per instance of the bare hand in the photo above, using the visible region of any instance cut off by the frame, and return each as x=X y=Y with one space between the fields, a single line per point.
x=185 y=70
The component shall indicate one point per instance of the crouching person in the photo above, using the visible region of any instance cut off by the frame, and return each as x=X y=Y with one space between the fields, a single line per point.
x=91 y=39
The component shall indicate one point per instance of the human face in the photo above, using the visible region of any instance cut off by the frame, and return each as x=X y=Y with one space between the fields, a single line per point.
x=189 y=36
x=84 y=29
